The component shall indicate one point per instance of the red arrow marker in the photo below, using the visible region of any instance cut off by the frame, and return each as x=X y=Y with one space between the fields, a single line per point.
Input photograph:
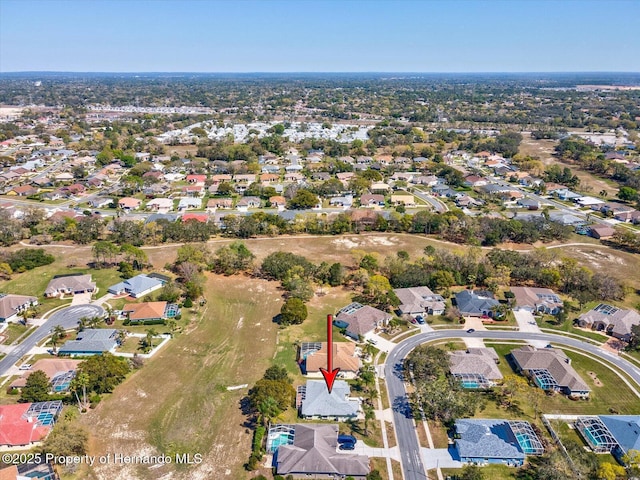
x=330 y=373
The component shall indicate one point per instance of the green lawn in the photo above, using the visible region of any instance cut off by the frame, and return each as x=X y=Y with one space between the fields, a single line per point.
x=613 y=394
x=13 y=332
x=567 y=326
x=493 y=472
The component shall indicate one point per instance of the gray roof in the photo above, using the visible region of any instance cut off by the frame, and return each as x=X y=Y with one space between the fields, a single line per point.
x=363 y=320
x=418 y=299
x=11 y=304
x=487 y=439
x=319 y=402
x=625 y=429
x=478 y=361
x=314 y=451
x=91 y=340
x=475 y=302
x=137 y=284
x=552 y=360
x=620 y=320
x=70 y=282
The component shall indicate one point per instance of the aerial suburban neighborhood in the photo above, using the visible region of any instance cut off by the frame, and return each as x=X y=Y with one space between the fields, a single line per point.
x=289 y=275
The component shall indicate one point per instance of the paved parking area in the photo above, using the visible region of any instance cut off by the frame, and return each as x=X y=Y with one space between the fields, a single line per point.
x=439 y=458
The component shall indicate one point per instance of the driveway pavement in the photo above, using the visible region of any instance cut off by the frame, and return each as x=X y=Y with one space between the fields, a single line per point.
x=527 y=323
x=439 y=458
x=379 y=342
x=362 y=449
x=81 y=299
x=476 y=324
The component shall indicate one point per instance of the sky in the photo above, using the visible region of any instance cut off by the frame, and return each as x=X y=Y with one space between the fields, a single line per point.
x=319 y=35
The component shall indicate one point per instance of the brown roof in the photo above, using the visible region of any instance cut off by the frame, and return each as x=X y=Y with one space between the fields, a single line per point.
x=146 y=310
x=50 y=366
x=344 y=358
x=554 y=361
x=10 y=304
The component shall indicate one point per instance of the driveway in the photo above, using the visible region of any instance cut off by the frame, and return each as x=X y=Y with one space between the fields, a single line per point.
x=81 y=299
x=527 y=323
x=476 y=324
x=362 y=449
x=379 y=342
x=439 y=458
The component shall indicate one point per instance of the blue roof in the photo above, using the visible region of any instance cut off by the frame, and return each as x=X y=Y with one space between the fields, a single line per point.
x=476 y=302
x=135 y=285
x=625 y=429
x=91 y=341
x=487 y=439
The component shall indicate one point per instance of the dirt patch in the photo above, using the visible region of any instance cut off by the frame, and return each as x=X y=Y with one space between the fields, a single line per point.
x=596 y=380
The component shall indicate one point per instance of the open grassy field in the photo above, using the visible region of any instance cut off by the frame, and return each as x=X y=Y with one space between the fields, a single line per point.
x=179 y=402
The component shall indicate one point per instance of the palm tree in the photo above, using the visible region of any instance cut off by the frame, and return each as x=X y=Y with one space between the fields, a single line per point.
x=268 y=410
x=369 y=414
x=57 y=334
x=151 y=332
x=81 y=381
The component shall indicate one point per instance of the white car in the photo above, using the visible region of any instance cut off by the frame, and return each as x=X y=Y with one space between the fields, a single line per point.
x=25 y=366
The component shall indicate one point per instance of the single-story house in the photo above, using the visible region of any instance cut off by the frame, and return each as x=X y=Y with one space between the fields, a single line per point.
x=534 y=299
x=475 y=181
x=345 y=201
x=193 y=190
x=69 y=285
x=380 y=187
x=601 y=231
x=198 y=217
x=100 y=202
x=550 y=370
x=507 y=442
x=160 y=205
x=615 y=434
x=372 y=200
x=23 y=191
x=612 y=320
x=358 y=319
x=313 y=357
x=12 y=305
x=59 y=371
x=476 y=303
x=189 y=203
x=588 y=201
x=419 y=301
x=22 y=425
x=147 y=311
x=196 y=179
x=313 y=453
x=128 y=203
x=317 y=403
x=405 y=199
x=529 y=203
x=278 y=201
x=475 y=367
x=91 y=342
x=215 y=203
x=248 y=202
x=137 y=286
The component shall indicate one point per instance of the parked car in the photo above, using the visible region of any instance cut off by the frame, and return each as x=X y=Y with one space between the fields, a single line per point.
x=347 y=446
x=347 y=439
x=413 y=320
x=25 y=366
x=420 y=319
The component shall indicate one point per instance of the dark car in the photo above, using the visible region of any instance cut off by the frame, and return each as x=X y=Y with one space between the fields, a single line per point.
x=344 y=439
x=471 y=330
x=420 y=319
x=347 y=446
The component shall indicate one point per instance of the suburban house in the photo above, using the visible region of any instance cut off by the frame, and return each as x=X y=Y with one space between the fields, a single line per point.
x=419 y=301
x=537 y=300
x=278 y=201
x=189 y=203
x=215 y=203
x=313 y=453
x=601 y=232
x=345 y=201
x=193 y=191
x=474 y=181
x=23 y=191
x=372 y=200
x=358 y=319
x=128 y=203
x=26 y=424
x=313 y=357
x=91 y=342
x=29 y=471
x=148 y=312
x=475 y=367
x=248 y=202
x=405 y=199
x=196 y=179
x=550 y=369
x=162 y=205
x=315 y=401
x=508 y=442
x=612 y=320
x=12 y=305
x=69 y=285
x=137 y=286
x=476 y=303
x=198 y=217
x=615 y=434
x=100 y=202
x=59 y=371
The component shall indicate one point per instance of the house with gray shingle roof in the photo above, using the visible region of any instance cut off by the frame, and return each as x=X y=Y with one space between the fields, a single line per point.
x=69 y=285
x=137 y=286
x=550 y=369
x=419 y=301
x=358 y=319
x=475 y=367
x=12 y=305
x=318 y=403
x=314 y=454
x=476 y=303
x=496 y=441
x=91 y=342
x=612 y=320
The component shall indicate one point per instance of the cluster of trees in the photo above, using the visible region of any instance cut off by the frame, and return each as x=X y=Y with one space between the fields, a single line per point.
x=437 y=395
x=505 y=144
x=23 y=260
x=564 y=176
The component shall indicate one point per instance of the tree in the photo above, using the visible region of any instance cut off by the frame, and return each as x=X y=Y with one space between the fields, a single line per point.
x=610 y=471
x=104 y=372
x=282 y=392
x=232 y=259
x=628 y=194
x=37 y=388
x=293 y=311
x=336 y=274
x=268 y=410
x=471 y=472
x=57 y=334
x=66 y=439
x=302 y=200
x=79 y=384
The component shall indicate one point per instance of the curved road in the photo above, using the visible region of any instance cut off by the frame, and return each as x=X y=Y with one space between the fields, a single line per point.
x=66 y=317
x=407 y=438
